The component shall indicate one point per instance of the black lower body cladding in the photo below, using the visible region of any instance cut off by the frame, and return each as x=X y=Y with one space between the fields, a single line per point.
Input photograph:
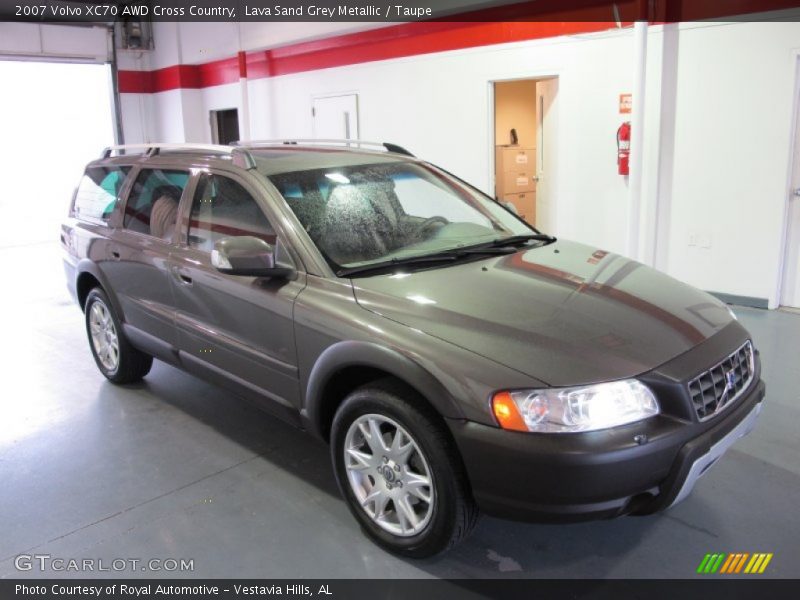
x=600 y=474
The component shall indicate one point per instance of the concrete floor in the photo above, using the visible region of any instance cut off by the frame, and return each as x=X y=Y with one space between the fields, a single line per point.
x=177 y=468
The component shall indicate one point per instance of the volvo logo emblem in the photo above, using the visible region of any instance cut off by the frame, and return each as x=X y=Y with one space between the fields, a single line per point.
x=388 y=474
x=730 y=384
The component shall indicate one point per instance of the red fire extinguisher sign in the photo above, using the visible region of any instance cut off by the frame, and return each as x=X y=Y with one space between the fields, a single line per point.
x=624 y=148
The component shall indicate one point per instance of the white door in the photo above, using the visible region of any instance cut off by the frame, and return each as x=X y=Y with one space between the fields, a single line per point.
x=546 y=153
x=790 y=288
x=336 y=117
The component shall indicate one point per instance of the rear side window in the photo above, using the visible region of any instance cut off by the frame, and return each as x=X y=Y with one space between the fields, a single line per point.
x=98 y=193
x=152 y=206
x=223 y=208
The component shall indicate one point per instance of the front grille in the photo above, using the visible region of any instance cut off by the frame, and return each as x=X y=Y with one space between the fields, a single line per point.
x=723 y=383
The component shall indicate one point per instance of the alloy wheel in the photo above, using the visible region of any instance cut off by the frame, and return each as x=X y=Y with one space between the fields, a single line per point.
x=104 y=335
x=389 y=475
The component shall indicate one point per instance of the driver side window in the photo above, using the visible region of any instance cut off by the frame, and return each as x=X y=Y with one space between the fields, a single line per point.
x=223 y=208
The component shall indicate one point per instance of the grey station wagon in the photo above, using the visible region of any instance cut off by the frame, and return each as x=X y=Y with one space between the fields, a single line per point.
x=456 y=359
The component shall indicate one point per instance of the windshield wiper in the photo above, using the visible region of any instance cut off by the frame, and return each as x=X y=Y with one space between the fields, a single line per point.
x=444 y=256
x=526 y=237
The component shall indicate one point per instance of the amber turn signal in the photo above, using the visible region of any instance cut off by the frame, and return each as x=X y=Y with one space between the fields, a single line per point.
x=506 y=412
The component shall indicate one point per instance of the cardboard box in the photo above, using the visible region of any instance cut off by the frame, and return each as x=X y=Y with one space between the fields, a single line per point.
x=515 y=158
x=515 y=168
x=525 y=204
x=515 y=182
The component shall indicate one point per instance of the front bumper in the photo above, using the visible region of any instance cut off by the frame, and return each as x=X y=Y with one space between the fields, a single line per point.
x=600 y=474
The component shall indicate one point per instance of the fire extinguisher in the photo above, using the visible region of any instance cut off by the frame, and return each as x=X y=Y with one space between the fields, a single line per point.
x=624 y=148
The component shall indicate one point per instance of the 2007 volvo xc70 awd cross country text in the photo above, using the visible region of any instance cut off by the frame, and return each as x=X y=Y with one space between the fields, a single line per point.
x=456 y=359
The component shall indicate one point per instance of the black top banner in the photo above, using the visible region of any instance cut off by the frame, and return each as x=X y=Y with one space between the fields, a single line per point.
x=621 y=11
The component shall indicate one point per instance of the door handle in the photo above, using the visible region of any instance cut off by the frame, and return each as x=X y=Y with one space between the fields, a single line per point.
x=115 y=254
x=797 y=192
x=182 y=276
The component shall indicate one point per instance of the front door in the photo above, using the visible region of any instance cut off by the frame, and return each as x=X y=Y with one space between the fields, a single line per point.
x=233 y=329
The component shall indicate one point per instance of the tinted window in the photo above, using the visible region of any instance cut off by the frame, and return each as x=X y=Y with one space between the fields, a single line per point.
x=223 y=208
x=98 y=192
x=152 y=206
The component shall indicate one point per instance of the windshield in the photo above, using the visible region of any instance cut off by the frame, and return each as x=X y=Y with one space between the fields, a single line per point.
x=363 y=214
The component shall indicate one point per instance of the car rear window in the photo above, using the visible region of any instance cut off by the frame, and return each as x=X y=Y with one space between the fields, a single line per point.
x=98 y=192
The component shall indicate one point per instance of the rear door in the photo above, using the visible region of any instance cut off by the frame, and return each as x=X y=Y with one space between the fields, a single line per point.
x=238 y=330
x=139 y=252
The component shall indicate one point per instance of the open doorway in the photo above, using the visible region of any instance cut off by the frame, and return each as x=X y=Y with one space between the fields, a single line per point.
x=46 y=143
x=225 y=126
x=524 y=147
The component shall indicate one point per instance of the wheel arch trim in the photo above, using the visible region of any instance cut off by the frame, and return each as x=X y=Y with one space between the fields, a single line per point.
x=86 y=266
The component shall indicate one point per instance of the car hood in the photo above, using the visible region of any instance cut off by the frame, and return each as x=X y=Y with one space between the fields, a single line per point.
x=564 y=313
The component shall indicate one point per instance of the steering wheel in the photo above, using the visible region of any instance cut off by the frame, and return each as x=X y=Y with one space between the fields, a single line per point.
x=419 y=229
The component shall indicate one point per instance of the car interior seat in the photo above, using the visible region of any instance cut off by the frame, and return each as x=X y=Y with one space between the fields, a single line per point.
x=164 y=213
x=352 y=229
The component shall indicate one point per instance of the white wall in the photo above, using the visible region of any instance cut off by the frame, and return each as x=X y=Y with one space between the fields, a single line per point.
x=733 y=107
x=718 y=114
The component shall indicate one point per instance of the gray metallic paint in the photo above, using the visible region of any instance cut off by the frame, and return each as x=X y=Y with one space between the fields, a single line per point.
x=560 y=314
x=552 y=312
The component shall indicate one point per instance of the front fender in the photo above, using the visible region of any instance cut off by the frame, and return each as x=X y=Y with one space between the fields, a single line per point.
x=370 y=355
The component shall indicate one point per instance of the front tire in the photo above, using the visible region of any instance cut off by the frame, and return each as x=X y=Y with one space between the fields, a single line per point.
x=399 y=471
x=117 y=360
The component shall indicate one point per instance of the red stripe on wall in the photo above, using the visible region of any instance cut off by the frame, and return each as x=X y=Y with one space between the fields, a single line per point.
x=408 y=39
x=242 y=58
x=411 y=39
x=427 y=37
x=219 y=72
x=134 y=82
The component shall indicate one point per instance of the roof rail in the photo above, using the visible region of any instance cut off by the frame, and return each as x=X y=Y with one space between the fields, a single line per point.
x=323 y=142
x=240 y=156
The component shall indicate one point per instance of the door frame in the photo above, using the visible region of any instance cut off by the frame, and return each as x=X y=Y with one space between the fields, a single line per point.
x=536 y=75
x=213 y=117
x=793 y=149
x=322 y=96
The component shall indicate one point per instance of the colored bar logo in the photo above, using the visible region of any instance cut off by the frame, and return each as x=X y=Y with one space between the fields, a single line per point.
x=735 y=563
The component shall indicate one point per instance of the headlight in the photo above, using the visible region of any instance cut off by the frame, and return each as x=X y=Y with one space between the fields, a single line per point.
x=567 y=410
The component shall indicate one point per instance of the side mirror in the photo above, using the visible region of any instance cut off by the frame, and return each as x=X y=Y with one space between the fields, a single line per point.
x=247 y=255
x=510 y=206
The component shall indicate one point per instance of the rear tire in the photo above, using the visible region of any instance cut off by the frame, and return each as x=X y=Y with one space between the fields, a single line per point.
x=383 y=475
x=117 y=360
